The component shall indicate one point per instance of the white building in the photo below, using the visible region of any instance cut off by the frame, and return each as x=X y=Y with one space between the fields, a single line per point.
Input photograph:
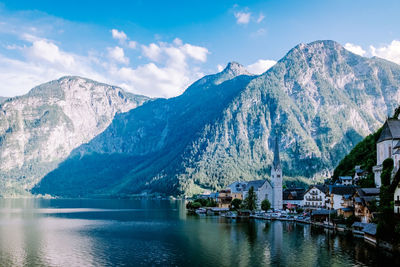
x=397 y=199
x=336 y=195
x=385 y=147
x=345 y=180
x=395 y=189
x=266 y=189
x=293 y=197
x=314 y=197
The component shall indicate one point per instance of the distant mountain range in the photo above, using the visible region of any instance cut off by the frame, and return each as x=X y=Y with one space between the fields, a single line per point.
x=320 y=99
x=40 y=129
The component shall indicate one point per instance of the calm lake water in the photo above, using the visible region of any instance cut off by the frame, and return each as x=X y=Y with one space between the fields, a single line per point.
x=133 y=233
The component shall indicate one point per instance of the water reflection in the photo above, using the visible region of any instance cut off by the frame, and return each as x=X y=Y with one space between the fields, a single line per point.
x=134 y=233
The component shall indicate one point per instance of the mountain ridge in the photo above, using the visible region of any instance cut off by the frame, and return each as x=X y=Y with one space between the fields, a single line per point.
x=39 y=129
x=216 y=133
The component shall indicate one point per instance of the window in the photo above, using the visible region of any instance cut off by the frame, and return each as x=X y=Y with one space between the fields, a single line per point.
x=390 y=151
x=398 y=198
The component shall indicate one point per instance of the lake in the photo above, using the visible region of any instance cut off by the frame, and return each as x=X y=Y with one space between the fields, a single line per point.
x=66 y=232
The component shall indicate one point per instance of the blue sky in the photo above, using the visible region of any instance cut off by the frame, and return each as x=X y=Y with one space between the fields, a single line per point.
x=158 y=48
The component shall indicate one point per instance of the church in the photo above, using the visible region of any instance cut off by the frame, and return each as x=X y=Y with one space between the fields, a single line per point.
x=265 y=189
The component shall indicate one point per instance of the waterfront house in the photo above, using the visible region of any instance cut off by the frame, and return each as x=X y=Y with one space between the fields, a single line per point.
x=336 y=193
x=293 y=198
x=365 y=201
x=314 y=197
x=385 y=147
x=370 y=233
x=322 y=215
x=347 y=206
x=237 y=189
x=368 y=230
x=224 y=198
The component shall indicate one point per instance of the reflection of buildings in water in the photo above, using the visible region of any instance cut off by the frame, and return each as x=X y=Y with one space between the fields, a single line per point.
x=277 y=239
x=251 y=232
x=289 y=227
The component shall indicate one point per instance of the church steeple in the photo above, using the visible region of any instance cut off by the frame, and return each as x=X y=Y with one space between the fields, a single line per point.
x=276 y=179
x=277 y=161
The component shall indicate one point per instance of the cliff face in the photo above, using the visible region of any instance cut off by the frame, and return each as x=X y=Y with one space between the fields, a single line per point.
x=320 y=99
x=39 y=130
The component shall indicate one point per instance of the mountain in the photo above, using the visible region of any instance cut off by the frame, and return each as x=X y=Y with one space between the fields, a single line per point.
x=2 y=99
x=40 y=129
x=319 y=99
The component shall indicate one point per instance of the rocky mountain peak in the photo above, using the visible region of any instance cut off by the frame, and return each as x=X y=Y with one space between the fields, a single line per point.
x=235 y=69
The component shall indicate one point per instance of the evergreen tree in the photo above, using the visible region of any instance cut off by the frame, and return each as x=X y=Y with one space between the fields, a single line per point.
x=236 y=203
x=265 y=205
x=386 y=220
x=250 y=201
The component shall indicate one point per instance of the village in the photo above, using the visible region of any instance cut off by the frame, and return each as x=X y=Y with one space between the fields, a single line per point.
x=341 y=205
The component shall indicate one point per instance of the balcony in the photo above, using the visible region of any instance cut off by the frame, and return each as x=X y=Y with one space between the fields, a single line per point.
x=397 y=202
x=314 y=198
x=313 y=207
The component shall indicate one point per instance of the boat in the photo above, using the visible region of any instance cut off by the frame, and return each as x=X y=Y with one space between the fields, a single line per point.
x=201 y=211
x=230 y=215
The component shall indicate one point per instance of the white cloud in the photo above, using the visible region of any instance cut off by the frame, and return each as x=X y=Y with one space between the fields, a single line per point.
x=43 y=50
x=356 y=49
x=117 y=54
x=40 y=62
x=152 y=51
x=242 y=17
x=260 y=18
x=29 y=58
x=119 y=35
x=389 y=52
x=260 y=66
x=132 y=44
x=169 y=71
x=196 y=52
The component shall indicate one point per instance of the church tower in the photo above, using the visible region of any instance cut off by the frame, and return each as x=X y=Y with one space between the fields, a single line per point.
x=276 y=179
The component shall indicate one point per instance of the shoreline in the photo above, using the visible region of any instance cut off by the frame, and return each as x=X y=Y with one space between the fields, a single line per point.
x=382 y=245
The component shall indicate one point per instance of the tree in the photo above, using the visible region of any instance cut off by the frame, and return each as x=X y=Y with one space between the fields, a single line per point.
x=203 y=202
x=250 y=201
x=386 y=220
x=193 y=205
x=265 y=205
x=236 y=203
x=211 y=203
x=387 y=168
x=196 y=205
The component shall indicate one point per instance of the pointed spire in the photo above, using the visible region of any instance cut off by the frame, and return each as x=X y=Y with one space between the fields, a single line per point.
x=277 y=161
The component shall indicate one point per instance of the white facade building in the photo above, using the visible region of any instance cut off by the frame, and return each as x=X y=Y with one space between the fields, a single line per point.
x=337 y=193
x=397 y=199
x=266 y=189
x=345 y=180
x=385 y=147
x=395 y=189
x=314 y=197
